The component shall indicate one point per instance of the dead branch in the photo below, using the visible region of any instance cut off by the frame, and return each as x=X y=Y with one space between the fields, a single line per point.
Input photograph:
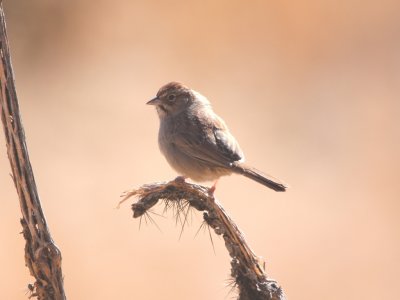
x=246 y=268
x=42 y=256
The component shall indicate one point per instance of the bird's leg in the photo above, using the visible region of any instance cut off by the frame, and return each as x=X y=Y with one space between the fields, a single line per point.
x=211 y=190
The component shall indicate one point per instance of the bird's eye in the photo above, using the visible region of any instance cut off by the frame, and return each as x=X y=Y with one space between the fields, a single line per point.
x=171 y=97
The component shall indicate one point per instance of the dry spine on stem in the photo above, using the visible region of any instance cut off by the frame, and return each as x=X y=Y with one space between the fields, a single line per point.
x=246 y=269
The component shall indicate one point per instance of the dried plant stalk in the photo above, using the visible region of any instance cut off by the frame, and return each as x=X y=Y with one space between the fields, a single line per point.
x=246 y=268
x=42 y=256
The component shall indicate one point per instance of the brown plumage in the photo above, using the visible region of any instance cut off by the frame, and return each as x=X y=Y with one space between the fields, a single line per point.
x=196 y=142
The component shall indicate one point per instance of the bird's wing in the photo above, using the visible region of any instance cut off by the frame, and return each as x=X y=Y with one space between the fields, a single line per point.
x=207 y=139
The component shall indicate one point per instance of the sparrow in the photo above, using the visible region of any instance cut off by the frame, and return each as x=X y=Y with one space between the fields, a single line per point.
x=196 y=142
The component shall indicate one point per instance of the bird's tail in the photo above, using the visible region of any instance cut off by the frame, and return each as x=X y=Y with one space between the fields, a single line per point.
x=258 y=176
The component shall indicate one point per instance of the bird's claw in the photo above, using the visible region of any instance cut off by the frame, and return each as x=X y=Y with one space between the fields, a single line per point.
x=180 y=179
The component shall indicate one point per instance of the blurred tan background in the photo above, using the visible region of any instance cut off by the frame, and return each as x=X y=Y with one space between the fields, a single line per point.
x=311 y=90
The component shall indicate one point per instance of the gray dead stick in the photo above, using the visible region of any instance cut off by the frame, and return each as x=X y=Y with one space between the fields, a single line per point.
x=42 y=256
x=247 y=269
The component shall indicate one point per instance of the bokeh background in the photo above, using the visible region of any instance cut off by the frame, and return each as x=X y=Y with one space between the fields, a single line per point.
x=311 y=89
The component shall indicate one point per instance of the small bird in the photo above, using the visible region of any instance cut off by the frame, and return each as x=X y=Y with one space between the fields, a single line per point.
x=196 y=142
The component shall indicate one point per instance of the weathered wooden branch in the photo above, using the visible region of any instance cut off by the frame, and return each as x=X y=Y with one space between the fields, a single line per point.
x=42 y=256
x=246 y=268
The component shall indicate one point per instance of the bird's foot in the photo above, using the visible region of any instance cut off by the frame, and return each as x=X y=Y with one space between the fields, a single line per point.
x=180 y=179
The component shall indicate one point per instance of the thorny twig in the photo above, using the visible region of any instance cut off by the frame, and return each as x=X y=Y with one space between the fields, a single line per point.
x=42 y=256
x=246 y=268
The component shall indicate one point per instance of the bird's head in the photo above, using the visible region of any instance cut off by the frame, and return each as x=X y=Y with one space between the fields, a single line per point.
x=174 y=97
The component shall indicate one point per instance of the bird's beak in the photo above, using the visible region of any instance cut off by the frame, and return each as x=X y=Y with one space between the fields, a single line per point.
x=154 y=101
